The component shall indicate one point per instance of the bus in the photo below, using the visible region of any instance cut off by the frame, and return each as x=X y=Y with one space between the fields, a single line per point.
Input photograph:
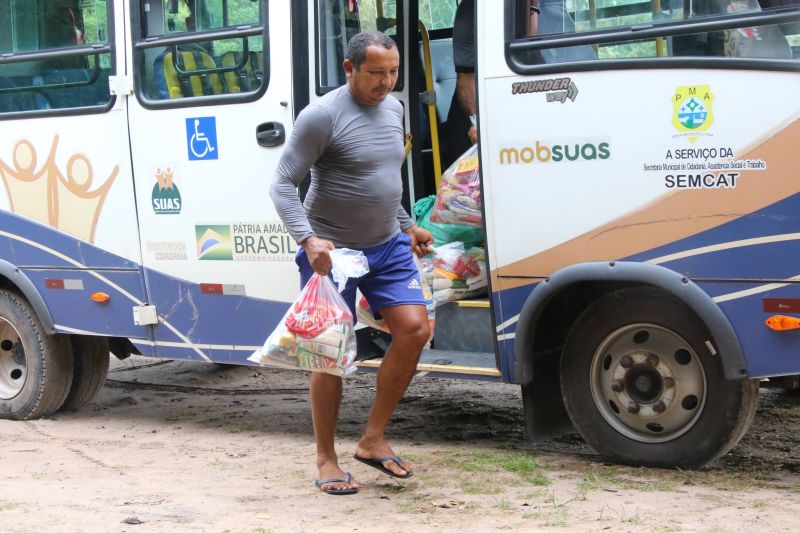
x=639 y=186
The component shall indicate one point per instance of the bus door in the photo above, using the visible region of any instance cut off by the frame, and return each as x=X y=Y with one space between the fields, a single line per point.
x=68 y=214
x=211 y=111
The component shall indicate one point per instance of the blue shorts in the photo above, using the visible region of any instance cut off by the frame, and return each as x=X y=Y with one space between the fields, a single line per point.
x=393 y=277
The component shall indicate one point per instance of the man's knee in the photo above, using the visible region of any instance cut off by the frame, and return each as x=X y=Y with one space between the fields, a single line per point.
x=416 y=332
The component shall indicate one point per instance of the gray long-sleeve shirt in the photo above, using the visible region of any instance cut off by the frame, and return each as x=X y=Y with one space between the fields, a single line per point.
x=354 y=153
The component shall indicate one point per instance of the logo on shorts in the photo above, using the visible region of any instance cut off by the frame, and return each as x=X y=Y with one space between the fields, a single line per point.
x=414 y=284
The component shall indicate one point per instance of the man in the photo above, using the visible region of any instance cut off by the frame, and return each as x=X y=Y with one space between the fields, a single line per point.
x=461 y=130
x=352 y=141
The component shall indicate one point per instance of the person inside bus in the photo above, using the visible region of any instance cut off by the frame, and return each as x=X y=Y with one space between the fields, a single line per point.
x=460 y=129
x=351 y=140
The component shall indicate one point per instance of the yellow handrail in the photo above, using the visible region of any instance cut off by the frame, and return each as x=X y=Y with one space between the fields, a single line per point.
x=661 y=43
x=426 y=53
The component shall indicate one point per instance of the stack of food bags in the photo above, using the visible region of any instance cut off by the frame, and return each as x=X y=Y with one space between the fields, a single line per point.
x=315 y=334
x=458 y=200
x=367 y=317
x=458 y=274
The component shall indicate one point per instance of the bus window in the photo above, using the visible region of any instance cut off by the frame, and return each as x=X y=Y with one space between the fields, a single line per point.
x=609 y=26
x=54 y=55
x=338 y=21
x=173 y=67
x=437 y=15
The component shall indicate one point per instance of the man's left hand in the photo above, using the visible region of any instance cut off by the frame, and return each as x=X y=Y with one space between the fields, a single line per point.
x=421 y=240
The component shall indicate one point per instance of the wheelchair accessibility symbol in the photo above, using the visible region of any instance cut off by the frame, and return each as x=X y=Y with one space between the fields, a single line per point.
x=201 y=138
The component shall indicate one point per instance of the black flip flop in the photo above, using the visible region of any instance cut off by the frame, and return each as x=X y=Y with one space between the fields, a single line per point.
x=336 y=492
x=377 y=463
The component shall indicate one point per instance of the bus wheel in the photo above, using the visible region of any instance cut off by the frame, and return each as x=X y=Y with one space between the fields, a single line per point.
x=90 y=363
x=35 y=368
x=644 y=385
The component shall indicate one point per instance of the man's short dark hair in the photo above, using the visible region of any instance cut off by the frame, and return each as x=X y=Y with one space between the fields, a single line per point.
x=357 y=47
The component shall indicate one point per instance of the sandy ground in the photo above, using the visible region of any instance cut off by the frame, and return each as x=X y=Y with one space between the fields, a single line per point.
x=179 y=446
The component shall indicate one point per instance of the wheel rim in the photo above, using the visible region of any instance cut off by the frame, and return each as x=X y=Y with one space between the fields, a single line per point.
x=648 y=383
x=13 y=369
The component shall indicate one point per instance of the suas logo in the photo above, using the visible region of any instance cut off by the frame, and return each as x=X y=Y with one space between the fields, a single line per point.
x=556 y=153
x=165 y=196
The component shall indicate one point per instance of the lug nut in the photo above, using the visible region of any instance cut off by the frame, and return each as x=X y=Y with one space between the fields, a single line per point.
x=669 y=383
x=626 y=361
x=659 y=407
x=618 y=385
x=652 y=359
x=633 y=408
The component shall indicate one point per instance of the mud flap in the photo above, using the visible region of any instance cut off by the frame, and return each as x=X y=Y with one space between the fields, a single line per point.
x=543 y=406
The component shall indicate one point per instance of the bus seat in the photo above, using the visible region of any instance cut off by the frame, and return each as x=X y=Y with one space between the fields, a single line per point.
x=81 y=95
x=171 y=84
x=247 y=78
x=444 y=74
x=28 y=100
x=765 y=42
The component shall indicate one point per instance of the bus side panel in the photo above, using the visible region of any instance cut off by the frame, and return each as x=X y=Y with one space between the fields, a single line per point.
x=748 y=305
x=615 y=173
x=67 y=296
x=210 y=321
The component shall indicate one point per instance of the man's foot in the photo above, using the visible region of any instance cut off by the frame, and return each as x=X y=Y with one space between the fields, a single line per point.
x=328 y=486
x=332 y=478
x=379 y=455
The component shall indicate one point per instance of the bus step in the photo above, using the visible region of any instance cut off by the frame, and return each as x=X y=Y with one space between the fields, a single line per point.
x=475 y=364
x=464 y=326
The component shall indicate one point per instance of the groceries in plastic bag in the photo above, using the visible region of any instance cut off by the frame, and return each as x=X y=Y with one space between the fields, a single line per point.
x=316 y=333
x=458 y=200
x=445 y=233
x=366 y=317
x=459 y=274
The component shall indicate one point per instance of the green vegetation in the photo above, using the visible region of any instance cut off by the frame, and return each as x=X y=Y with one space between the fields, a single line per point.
x=484 y=462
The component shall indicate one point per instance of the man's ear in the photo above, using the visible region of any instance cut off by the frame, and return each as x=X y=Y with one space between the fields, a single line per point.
x=348 y=66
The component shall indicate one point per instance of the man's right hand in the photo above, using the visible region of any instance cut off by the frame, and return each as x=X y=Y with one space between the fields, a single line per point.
x=473 y=134
x=318 y=252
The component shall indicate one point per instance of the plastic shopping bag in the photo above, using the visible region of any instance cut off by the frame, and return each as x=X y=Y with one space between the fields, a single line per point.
x=315 y=334
x=458 y=200
x=366 y=317
x=445 y=233
x=347 y=264
x=459 y=274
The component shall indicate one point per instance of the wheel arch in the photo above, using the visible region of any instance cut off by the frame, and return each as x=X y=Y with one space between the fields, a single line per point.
x=566 y=293
x=12 y=276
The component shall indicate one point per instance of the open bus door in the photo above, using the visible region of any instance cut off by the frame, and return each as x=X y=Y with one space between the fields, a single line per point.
x=212 y=109
x=462 y=344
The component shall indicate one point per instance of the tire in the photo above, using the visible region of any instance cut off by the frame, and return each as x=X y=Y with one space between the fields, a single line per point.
x=90 y=361
x=644 y=385
x=35 y=368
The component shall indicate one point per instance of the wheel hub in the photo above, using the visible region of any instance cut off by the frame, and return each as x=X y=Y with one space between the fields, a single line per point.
x=13 y=369
x=638 y=384
x=648 y=383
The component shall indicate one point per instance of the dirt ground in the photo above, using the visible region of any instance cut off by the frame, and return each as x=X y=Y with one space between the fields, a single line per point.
x=181 y=446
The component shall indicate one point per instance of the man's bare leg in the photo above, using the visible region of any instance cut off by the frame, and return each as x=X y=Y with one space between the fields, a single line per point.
x=326 y=395
x=410 y=331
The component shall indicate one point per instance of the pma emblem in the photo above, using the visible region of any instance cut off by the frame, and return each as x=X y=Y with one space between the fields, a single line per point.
x=692 y=111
